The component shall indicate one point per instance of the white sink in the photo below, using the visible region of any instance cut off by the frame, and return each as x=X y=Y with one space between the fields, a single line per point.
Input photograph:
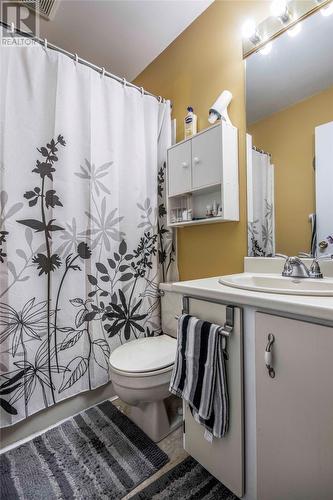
x=275 y=283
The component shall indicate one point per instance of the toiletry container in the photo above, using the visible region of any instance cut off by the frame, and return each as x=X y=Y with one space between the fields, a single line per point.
x=190 y=123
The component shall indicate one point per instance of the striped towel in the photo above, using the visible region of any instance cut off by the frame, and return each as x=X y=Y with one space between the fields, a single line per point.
x=199 y=374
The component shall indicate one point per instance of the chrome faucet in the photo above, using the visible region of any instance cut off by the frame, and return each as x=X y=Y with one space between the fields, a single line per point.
x=315 y=271
x=295 y=268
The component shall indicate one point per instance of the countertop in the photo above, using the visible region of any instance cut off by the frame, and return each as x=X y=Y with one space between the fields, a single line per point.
x=320 y=308
x=308 y=307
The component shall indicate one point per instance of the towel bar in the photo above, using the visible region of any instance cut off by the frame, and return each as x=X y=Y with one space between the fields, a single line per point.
x=228 y=326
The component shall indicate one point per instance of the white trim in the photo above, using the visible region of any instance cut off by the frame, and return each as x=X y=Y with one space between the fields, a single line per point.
x=273 y=211
x=249 y=178
x=249 y=187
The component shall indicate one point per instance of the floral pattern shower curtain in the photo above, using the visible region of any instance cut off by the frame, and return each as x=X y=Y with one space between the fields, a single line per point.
x=261 y=224
x=83 y=240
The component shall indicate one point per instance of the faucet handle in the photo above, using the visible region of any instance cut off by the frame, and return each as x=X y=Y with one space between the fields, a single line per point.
x=315 y=271
x=287 y=268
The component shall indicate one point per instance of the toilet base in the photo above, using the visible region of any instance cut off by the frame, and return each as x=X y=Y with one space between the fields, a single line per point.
x=152 y=418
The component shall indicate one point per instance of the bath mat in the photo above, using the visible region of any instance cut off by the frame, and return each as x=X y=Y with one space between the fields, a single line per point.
x=187 y=481
x=98 y=454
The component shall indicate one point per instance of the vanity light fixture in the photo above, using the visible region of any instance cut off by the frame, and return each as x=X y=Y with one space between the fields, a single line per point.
x=266 y=49
x=285 y=15
x=249 y=31
x=295 y=30
x=280 y=10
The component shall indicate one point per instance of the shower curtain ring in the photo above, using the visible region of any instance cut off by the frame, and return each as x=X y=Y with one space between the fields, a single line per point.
x=45 y=43
x=124 y=82
x=12 y=27
x=142 y=90
x=159 y=98
x=103 y=71
x=76 y=58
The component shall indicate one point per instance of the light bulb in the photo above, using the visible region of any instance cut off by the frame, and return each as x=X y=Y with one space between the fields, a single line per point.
x=266 y=49
x=278 y=7
x=327 y=11
x=295 y=30
x=249 y=29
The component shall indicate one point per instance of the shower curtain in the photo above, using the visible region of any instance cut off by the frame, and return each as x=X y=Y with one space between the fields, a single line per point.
x=83 y=241
x=261 y=225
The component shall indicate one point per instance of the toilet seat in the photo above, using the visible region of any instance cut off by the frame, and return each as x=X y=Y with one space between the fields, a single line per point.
x=146 y=356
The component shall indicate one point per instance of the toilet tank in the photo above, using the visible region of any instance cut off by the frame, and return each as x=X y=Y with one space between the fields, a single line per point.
x=171 y=306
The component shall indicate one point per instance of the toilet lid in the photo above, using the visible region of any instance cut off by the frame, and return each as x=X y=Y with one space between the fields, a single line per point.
x=145 y=355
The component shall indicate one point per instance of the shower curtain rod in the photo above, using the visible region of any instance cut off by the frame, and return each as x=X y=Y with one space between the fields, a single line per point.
x=261 y=151
x=75 y=57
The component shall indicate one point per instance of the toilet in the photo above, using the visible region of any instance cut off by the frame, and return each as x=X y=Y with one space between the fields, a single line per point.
x=141 y=371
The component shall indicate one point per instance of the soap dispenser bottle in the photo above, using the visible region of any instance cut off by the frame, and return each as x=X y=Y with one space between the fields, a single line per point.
x=190 y=123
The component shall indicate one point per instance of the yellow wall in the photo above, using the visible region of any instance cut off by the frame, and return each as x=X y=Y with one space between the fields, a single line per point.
x=204 y=60
x=289 y=136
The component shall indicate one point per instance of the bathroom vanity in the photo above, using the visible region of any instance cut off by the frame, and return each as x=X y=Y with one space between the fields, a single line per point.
x=280 y=442
x=288 y=334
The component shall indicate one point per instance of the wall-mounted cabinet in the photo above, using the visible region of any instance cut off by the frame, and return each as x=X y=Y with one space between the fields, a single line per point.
x=203 y=172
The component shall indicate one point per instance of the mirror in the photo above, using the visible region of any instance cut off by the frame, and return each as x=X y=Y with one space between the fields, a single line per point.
x=289 y=106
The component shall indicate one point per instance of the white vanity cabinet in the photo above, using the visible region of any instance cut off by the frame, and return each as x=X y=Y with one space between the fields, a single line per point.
x=294 y=410
x=224 y=458
x=201 y=171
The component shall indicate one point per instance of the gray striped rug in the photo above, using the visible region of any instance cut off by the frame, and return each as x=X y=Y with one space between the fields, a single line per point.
x=187 y=481
x=98 y=454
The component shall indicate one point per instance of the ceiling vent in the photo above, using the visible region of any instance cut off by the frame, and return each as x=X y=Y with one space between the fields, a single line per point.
x=43 y=8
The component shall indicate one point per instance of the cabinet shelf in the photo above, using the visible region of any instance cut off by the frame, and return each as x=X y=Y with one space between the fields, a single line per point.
x=207 y=189
x=202 y=172
x=196 y=222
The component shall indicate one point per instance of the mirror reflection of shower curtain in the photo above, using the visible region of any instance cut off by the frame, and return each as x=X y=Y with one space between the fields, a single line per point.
x=261 y=224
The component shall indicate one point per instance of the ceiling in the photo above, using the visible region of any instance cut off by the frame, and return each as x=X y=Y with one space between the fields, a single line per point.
x=296 y=68
x=124 y=36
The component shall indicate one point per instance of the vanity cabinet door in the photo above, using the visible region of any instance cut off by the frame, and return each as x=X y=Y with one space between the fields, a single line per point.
x=223 y=458
x=207 y=158
x=294 y=410
x=179 y=169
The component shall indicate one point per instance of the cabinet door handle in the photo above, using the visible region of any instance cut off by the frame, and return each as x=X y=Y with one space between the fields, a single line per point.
x=268 y=355
x=196 y=160
x=184 y=164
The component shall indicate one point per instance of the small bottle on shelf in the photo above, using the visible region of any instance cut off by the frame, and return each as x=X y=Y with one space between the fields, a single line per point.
x=190 y=123
x=209 y=211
